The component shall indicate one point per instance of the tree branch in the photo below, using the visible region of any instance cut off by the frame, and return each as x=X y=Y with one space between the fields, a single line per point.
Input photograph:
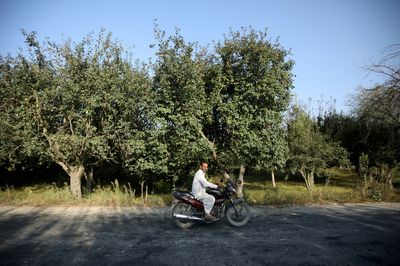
x=214 y=154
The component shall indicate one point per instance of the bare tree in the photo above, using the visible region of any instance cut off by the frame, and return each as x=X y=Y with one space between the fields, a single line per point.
x=382 y=102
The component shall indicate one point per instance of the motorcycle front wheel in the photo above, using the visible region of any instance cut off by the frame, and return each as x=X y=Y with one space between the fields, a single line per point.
x=238 y=214
x=185 y=209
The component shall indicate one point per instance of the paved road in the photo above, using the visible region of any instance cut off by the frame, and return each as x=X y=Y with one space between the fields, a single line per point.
x=362 y=234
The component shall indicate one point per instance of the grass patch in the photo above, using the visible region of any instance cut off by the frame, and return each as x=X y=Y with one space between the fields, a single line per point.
x=50 y=195
x=279 y=195
x=341 y=187
x=337 y=186
x=343 y=178
x=284 y=194
x=39 y=195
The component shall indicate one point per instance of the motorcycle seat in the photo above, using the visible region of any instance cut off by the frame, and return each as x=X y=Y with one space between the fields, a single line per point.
x=181 y=194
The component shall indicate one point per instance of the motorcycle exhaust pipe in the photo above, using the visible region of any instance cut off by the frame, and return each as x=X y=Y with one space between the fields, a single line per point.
x=187 y=217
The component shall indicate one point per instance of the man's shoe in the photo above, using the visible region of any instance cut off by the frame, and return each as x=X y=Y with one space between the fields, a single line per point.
x=209 y=217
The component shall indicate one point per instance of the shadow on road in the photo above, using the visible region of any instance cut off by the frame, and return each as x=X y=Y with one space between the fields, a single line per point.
x=299 y=235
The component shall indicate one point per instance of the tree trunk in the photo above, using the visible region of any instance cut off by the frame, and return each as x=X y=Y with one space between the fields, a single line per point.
x=89 y=179
x=75 y=174
x=75 y=177
x=311 y=183
x=142 y=191
x=309 y=180
x=273 y=178
x=147 y=193
x=240 y=182
x=388 y=186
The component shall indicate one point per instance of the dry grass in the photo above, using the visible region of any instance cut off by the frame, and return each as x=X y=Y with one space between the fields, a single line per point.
x=45 y=196
x=342 y=187
x=283 y=194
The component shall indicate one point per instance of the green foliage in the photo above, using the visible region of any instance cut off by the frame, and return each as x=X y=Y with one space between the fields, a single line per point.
x=85 y=104
x=228 y=103
x=82 y=104
x=78 y=104
x=346 y=130
x=249 y=90
x=179 y=89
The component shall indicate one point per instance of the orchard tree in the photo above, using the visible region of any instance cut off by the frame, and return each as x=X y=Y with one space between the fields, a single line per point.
x=180 y=91
x=228 y=103
x=381 y=101
x=76 y=104
x=310 y=151
x=250 y=91
x=378 y=111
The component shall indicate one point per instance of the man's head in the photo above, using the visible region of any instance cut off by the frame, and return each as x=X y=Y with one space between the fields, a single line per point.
x=204 y=166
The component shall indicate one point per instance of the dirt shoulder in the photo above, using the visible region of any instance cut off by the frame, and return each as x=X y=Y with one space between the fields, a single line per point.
x=340 y=234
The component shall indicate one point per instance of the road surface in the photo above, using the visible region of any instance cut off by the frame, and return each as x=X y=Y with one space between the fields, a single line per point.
x=349 y=234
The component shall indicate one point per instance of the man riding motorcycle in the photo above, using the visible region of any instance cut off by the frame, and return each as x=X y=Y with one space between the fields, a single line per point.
x=199 y=186
x=206 y=198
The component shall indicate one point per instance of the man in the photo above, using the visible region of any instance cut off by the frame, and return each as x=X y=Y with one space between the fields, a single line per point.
x=199 y=186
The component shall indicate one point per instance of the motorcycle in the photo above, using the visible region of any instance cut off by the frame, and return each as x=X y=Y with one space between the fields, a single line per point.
x=187 y=210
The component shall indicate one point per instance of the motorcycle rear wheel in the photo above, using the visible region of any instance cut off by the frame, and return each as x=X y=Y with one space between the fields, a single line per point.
x=185 y=209
x=239 y=218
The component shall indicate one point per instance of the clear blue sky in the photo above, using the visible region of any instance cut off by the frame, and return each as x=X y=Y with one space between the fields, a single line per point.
x=330 y=39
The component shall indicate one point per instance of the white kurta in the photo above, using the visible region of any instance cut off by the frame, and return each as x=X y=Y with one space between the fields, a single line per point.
x=199 y=186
